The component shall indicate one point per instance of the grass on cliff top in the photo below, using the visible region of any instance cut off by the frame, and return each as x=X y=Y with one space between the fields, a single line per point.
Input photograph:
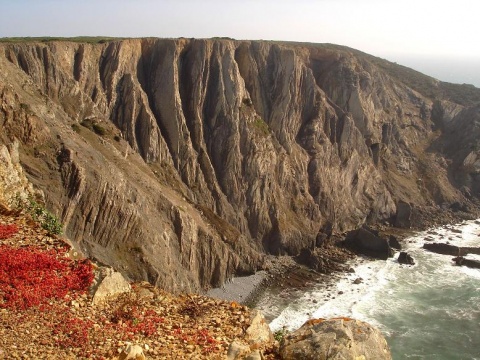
x=78 y=39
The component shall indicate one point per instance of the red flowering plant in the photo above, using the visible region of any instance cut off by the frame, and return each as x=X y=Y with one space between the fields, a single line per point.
x=31 y=276
x=7 y=231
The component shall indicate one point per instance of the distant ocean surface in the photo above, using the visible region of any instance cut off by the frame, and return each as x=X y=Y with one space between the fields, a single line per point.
x=454 y=70
x=427 y=311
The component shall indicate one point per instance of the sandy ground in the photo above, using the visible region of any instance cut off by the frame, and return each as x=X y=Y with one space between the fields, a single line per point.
x=239 y=289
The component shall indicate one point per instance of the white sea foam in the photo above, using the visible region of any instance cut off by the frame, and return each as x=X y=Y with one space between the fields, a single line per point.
x=416 y=307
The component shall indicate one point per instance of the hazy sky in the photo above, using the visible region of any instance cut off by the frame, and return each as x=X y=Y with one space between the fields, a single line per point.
x=395 y=30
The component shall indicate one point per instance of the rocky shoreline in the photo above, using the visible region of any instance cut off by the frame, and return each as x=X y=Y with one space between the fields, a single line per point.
x=286 y=277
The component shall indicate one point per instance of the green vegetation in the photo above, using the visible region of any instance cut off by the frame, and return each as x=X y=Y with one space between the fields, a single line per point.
x=76 y=128
x=247 y=101
x=279 y=335
x=26 y=108
x=78 y=39
x=47 y=220
x=261 y=126
x=99 y=130
x=94 y=126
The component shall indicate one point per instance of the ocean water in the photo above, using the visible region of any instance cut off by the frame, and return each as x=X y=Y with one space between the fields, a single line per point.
x=427 y=311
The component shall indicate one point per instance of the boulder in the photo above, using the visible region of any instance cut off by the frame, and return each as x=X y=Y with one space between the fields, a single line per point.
x=258 y=333
x=405 y=258
x=339 y=338
x=237 y=350
x=132 y=352
x=258 y=336
x=368 y=242
x=111 y=285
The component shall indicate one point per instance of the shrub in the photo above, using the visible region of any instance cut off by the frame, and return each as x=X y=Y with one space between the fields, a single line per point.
x=87 y=123
x=76 y=128
x=95 y=127
x=99 y=130
x=47 y=220
x=247 y=101
x=261 y=126
x=279 y=335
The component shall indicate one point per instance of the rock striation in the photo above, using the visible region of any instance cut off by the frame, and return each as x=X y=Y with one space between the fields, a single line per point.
x=182 y=161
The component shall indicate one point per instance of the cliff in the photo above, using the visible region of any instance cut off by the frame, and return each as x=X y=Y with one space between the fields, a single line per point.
x=182 y=161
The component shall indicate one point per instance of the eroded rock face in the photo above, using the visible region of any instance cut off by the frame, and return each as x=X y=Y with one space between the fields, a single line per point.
x=14 y=185
x=181 y=161
x=341 y=338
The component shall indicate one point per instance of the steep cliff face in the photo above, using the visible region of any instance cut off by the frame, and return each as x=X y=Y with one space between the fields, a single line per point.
x=195 y=156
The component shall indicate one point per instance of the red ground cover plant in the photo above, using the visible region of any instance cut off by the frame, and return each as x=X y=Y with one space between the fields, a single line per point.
x=73 y=332
x=30 y=276
x=136 y=320
x=7 y=231
x=198 y=337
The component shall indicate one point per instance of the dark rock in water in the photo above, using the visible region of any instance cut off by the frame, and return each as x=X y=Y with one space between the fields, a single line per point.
x=405 y=258
x=344 y=337
x=394 y=243
x=471 y=250
x=404 y=215
x=357 y=281
x=367 y=241
x=446 y=249
x=461 y=261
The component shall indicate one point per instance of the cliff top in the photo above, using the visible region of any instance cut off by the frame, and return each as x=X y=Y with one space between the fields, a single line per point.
x=463 y=94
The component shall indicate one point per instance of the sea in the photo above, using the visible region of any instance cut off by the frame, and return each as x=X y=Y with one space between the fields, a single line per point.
x=430 y=310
